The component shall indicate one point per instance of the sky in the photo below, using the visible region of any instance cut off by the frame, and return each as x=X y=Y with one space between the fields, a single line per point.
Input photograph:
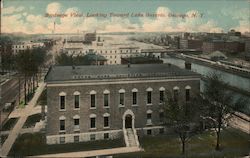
x=46 y=16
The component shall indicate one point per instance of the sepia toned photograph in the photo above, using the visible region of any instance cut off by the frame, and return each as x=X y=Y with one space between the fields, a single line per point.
x=125 y=78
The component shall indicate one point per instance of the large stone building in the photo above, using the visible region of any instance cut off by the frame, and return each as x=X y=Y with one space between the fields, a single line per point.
x=112 y=101
x=22 y=46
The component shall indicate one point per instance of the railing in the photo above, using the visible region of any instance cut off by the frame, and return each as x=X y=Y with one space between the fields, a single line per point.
x=125 y=136
x=136 y=137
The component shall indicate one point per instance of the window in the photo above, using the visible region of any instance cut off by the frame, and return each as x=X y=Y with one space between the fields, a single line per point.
x=187 y=94
x=76 y=139
x=106 y=135
x=62 y=102
x=149 y=117
x=77 y=100
x=176 y=93
x=62 y=140
x=106 y=100
x=92 y=98
x=92 y=122
x=149 y=97
x=161 y=116
x=76 y=123
x=92 y=136
x=62 y=125
x=106 y=121
x=134 y=98
x=122 y=98
x=149 y=132
x=161 y=96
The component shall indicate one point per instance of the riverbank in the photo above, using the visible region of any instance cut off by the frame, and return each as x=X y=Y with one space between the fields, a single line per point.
x=216 y=65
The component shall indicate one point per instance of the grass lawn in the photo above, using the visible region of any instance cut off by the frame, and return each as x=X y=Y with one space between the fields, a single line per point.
x=34 y=144
x=3 y=138
x=9 y=124
x=32 y=120
x=234 y=143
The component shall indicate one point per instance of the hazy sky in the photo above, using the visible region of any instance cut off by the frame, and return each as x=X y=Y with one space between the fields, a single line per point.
x=29 y=16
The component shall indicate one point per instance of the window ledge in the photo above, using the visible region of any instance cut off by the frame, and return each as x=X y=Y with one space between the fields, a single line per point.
x=106 y=107
x=149 y=124
x=135 y=105
x=149 y=104
x=92 y=107
x=121 y=106
x=62 y=131
x=62 y=110
x=93 y=128
x=106 y=127
x=76 y=108
x=76 y=129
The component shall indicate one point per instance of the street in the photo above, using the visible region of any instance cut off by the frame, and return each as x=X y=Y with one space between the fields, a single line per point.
x=9 y=93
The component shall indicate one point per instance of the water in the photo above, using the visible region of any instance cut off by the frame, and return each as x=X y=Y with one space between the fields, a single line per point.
x=232 y=79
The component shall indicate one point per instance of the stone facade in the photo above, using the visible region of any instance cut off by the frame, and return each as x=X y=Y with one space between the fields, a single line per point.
x=116 y=113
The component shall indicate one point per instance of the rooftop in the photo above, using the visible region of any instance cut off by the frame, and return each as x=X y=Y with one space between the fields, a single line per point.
x=93 y=72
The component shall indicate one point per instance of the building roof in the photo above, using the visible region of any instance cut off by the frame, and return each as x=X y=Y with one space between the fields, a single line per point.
x=93 y=72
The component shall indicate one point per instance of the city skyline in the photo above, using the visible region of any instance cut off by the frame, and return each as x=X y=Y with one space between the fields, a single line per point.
x=35 y=17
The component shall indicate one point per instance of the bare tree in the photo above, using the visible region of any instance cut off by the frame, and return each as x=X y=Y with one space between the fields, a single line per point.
x=183 y=117
x=218 y=103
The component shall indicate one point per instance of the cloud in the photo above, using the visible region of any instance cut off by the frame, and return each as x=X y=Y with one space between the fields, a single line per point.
x=53 y=8
x=178 y=24
x=242 y=16
x=11 y=10
x=31 y=23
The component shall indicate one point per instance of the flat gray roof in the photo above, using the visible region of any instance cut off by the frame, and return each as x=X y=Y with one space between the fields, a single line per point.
x=93 y=72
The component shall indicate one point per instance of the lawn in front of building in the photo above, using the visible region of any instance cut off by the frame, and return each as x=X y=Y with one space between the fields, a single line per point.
x=34 y=144
x=9 y=124
x=32 y=120
x=234 y=143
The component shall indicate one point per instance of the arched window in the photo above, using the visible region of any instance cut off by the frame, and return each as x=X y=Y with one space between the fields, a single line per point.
x=187 y=88
x=62 y=100
x=134 y=95
x=77 y=100
x=92 y=121
x=149 y=117
x=121 y=97
x=106 y=120
x=149 y=95
x=106 y=98
x=176 y=93
x=92 y=99
x=62 y=123
x=162 y=93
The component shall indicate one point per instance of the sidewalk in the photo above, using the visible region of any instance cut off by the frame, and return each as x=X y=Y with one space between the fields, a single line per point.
x=18 y=127
x=21 y=112
x=94 y=152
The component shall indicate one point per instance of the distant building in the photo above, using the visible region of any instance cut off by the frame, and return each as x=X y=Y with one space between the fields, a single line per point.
x=223 y=46
x=90 y=37
x=113 y=51
x=22 y=46
x=247 y=46
x=113 y=101
x=191 y=44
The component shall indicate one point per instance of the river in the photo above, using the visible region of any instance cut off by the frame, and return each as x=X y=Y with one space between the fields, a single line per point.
x=232 y=79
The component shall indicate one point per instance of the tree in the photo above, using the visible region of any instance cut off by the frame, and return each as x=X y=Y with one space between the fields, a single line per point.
x=183 y=117
x=28 y=63
x=218 y=103
x=7 y=62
